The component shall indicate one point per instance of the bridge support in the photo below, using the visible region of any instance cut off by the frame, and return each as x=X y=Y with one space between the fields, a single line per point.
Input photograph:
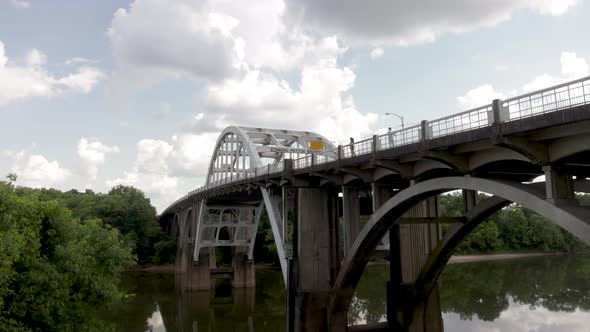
x=351 y=215
x=243 y=269
x=410 y=246
x=317 y=259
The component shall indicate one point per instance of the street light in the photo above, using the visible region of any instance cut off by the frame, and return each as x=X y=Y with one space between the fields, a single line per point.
x=401 y=117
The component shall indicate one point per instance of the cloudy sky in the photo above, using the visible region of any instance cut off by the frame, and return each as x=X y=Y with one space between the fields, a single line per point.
x=99 y=93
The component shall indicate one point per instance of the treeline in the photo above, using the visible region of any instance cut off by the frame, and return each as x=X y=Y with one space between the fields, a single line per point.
x=512 y=229
x=124 y=208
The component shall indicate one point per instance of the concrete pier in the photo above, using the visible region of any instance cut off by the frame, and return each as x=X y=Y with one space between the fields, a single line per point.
x=317 y=257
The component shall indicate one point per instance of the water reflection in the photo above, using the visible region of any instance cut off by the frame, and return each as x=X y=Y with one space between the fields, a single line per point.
x=155 y=305
x=549 y=293
x=534 y=294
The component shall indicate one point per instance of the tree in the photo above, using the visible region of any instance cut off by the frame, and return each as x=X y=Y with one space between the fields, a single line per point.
x=11 y=177
x=127 y=209
x=55 y=272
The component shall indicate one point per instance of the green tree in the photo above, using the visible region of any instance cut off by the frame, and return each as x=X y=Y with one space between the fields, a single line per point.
x=127 y=209
x=55 y=272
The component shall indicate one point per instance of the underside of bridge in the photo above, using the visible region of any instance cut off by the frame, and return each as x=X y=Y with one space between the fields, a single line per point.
x=315 y=194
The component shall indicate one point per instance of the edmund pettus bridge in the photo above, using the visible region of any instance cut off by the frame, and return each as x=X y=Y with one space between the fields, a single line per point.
x=315 y=193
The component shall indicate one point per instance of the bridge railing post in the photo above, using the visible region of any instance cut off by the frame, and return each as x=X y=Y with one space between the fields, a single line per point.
x=339 y=154
x=375 y=145
x=498 y=114
x=424 y=130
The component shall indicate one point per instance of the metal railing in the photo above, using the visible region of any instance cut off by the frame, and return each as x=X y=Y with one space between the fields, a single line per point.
x=562 y=96
x=326 y=157
x=302 y=162
x=464 y=121
x=555 y=98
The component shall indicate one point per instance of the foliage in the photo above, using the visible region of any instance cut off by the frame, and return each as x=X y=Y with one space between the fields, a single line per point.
x=55 y=271
x=511 y=229
x=125 y=208
x=265 y=249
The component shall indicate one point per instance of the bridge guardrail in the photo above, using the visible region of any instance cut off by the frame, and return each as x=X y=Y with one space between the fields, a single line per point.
x=555 y=98
x=547 y=100
x=471 y=119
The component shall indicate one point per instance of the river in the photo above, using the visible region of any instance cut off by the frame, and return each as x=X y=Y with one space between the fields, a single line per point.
x=548 y=293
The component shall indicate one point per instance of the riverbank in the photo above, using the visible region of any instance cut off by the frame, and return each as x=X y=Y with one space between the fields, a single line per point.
x=164 y=268
x=457 y=259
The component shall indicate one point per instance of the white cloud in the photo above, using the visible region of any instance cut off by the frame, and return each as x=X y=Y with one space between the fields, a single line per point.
x=572 y=67
x=32 y=80
x=174 y=39
x=480 y=96
x=93 y=154
x=540 y=82
x=264 y=101
x=409 y=22
x=553 y=7
x=191 y=154
x=36 y=58
x=320 y=102
x=167 y=170
x=377 y=52
x=152 y=156
x=79 y=60
x=150 y=173
x=34 y=170
x=20 y=3
x=500 y=68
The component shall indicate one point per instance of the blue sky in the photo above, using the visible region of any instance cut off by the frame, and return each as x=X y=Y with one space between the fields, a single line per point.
x=97 y=93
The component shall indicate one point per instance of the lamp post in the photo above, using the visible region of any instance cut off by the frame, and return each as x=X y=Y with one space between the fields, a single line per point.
x=401 y=117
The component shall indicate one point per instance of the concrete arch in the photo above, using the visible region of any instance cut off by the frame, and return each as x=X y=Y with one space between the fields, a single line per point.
x=427 y=165
x=485 y=157
x=380 y=173
x=570 y=217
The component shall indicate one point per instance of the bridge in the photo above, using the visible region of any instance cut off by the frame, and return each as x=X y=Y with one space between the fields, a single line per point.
x=314 y=194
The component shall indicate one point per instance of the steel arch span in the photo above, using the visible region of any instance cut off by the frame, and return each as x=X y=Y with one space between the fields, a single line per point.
x=572 y=218
x=240 y=150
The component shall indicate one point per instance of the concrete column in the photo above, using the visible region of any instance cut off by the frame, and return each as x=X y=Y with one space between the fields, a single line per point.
x=317 y=257
x=244 y=273
x=410 y=249
x=381 y=194
x=559 y=185
x=199 y=274
x=181 y=262
x=351 y=215
x=469 y=199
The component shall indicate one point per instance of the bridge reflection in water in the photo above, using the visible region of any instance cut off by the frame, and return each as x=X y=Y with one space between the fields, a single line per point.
x=551 y=293
x=498 y=149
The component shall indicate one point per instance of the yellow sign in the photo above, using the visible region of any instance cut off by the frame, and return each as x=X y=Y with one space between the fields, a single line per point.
x=316 y=145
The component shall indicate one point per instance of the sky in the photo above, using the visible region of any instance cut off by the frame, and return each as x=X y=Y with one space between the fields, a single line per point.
x=99 y=93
